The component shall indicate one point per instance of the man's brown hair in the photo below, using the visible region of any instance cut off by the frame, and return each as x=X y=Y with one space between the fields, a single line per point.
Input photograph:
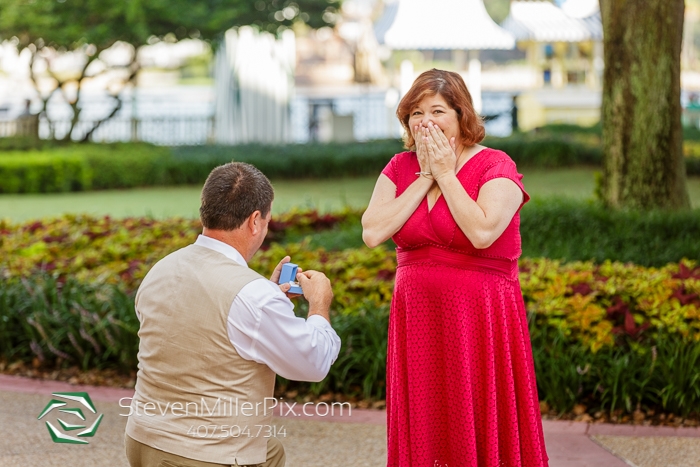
x=452 y=88
x=232 y=193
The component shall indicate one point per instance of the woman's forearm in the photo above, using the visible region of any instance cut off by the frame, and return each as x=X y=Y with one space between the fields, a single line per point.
x=469 y=216
x=382 y=220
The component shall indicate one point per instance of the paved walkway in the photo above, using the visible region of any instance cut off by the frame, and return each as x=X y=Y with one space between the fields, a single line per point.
x=311 y=441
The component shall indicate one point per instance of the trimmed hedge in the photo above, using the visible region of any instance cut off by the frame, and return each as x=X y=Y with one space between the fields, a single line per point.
x=44 y=173
x=124 y=165
x=23 y=143
x=127 y=165
x=581 y=231
x=293 y=160
x=79 y=167
x=549 y=150
x=574 y=230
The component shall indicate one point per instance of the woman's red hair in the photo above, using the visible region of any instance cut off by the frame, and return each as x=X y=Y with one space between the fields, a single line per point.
x=451 y=87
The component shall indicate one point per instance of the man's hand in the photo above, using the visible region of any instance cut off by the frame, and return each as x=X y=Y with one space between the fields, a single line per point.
x=275 y=277
x=317 y=290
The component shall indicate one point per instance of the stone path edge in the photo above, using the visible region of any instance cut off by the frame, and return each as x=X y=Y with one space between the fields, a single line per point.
x=26 y=385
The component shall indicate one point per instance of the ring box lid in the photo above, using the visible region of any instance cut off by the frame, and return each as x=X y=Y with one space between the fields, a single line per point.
x=288 y=275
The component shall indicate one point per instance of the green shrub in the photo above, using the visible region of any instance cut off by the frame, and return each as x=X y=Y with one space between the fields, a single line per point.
x=77 y=167
x=37 y=172
x=692 y=165
x=691 y=133
x=611 y=336
x=591 y=302
x=572 y=230
x=663 y=375
x=536 y=150
x=23 y=143
x=691 y=151
x=293 y=160
x=127 y=165
x=361 y=365
x=88 y=325
x=568 y=129
x=575 y=230
x=95 y=326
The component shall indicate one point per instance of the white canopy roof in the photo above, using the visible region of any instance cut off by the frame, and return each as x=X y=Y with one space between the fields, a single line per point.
x=581 y=8
x=542 y=21
x=440 y=25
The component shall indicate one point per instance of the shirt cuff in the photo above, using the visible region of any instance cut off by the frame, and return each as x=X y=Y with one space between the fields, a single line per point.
x=319 y=321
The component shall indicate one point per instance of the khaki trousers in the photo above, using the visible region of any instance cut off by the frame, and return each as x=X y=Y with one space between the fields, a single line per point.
x=141 y=455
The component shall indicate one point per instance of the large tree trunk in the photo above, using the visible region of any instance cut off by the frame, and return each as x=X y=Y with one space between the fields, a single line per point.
x=642 y=137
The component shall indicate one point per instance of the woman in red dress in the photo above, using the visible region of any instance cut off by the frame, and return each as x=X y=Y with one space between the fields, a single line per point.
x=461 y=387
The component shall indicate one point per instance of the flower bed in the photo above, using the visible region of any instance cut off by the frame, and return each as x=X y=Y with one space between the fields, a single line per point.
x=591 y=303
x=610 y=336
x=106 y=250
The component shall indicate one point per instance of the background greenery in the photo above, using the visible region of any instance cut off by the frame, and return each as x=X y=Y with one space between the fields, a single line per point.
x=615 y=325
x=73 y=167
x=614 y=337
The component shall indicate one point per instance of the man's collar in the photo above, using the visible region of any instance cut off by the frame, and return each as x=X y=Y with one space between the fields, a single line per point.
x=221 y=247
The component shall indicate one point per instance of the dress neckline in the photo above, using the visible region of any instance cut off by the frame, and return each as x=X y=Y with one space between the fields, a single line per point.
x=456 y=175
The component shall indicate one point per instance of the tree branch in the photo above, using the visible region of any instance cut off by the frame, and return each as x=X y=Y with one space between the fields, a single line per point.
x=35 y=83
x=135 y=68
x=74 y=105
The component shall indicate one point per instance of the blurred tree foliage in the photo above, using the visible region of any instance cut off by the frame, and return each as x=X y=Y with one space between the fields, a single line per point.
x=87 y=28
x=497 y=9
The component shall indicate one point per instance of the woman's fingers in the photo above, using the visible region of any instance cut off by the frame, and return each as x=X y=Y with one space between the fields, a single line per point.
x=435 y=137
x=441 y=133
x=438 y=136
x=435 y=143
x=430 y=146
x=427 y=137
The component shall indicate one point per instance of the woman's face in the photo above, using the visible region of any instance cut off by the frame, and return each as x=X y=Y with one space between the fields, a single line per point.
x=434 y=109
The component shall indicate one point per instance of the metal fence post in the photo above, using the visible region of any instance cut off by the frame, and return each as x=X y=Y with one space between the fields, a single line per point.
x=134 y=130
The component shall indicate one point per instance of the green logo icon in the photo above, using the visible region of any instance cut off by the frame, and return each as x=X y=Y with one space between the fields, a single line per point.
x=72 y=414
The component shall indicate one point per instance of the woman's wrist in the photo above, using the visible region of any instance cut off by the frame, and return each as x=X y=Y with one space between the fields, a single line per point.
x=443 y=178
x=426 y=181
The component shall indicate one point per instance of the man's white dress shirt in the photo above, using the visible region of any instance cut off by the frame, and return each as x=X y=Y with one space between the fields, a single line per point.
x=263 y=328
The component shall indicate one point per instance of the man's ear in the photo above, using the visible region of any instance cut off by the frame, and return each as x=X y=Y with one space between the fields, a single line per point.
x=255 y=223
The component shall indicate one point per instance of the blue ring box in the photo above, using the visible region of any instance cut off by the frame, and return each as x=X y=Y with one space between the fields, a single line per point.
x=288 y=276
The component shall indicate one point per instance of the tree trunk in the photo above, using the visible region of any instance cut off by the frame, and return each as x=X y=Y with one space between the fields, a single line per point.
x=641 y=115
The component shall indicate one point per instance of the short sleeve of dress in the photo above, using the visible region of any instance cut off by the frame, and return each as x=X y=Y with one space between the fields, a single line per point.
x=391 y=169
x=505 y=169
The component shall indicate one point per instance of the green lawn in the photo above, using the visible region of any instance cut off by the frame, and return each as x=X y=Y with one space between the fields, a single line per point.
x=326 y=195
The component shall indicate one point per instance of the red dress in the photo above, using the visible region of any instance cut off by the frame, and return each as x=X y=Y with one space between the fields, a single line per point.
x=460 y=375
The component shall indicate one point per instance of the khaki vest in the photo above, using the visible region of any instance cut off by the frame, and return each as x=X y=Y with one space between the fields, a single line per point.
x=193 y=389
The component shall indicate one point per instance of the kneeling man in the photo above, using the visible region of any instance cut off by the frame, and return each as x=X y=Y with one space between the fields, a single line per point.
x=214 y=333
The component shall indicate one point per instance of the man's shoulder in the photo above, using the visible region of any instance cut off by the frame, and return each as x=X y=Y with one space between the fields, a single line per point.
x=196 y=260
x=198 y=256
